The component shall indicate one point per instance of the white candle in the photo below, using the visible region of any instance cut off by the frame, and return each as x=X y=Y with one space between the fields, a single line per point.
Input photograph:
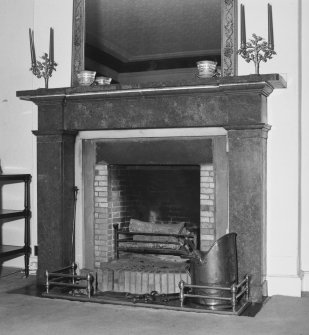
x=31 y=47
x=270 y=28
x=51 y=45
x=242 y=27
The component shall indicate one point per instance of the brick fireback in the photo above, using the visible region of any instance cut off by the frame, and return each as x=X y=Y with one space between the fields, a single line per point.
x=179 y=193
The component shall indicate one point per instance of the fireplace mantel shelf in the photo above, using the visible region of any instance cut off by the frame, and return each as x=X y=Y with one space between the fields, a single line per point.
x=207 y=85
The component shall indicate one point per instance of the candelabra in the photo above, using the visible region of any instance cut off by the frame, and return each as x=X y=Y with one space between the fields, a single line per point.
x=44 y=69
x=256 y=50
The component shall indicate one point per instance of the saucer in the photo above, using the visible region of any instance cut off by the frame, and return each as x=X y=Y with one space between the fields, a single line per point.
x=205 y=76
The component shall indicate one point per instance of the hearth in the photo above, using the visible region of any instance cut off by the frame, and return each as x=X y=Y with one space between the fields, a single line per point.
x=217 y=121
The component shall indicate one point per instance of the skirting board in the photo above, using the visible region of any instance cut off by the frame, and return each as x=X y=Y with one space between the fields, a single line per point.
x=305 y=281
x=284 y=285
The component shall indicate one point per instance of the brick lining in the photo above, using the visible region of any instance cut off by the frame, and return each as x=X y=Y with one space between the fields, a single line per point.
x=115 y=204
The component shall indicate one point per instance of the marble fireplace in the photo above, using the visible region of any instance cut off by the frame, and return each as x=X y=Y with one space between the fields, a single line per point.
x=218 y=124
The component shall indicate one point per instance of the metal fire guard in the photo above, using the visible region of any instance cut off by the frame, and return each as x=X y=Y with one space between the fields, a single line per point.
x=237 y=291
x=67 y=278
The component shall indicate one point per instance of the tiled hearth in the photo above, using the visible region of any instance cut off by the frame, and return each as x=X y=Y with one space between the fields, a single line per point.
x=236 y=105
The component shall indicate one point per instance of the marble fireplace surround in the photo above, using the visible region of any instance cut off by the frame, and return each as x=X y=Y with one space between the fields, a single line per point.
x=236 y=104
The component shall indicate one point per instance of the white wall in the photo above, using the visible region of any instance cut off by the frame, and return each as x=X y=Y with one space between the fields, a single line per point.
x=305 y=147
x=19 y=118
x=284 y=144
x=56 y=14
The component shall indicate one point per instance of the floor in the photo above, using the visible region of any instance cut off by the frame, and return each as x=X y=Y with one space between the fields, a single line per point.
x=22 y=311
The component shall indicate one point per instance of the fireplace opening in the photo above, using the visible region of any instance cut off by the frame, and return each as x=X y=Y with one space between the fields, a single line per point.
x=180 y=197
x=175 y=183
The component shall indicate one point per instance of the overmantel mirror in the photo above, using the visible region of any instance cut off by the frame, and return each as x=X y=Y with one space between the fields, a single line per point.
x=149 y=40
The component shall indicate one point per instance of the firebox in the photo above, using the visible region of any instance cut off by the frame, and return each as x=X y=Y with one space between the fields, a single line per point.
x=166 y=177
x=172 y=177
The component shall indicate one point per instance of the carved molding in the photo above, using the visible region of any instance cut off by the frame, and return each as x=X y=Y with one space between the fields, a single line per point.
x=228 y=40
x=78 y=40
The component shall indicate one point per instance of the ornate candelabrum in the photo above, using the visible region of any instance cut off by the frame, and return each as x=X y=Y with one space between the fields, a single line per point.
x=256 y=50
x=45 y=67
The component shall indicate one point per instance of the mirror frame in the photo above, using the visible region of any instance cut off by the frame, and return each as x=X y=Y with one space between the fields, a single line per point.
x=229 y=41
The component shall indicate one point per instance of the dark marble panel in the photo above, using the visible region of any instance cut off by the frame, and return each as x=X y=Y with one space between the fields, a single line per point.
x=50 y=115
x=152 y=111
x=185 y=110
x=55 y=201
x=245 y=109
x=247 y=202
x=146 y=112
